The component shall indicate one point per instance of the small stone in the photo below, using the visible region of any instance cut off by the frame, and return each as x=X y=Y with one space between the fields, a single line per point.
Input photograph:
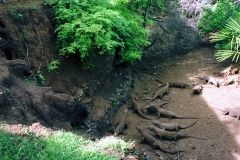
x=80 y=92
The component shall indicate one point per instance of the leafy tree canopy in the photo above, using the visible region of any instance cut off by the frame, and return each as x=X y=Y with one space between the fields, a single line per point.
x=215 y=18
x=223 y=24
x=87 y=27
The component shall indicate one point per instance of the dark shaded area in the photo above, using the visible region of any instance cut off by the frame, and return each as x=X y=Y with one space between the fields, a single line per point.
x=4 y=50
x=7 y=53
x=79 y=114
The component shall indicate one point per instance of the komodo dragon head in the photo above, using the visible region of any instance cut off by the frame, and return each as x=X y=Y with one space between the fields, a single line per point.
x=150 y=128
x=154 y=122
x=150 y=109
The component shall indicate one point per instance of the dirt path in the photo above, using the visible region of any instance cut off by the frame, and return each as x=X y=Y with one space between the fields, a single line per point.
x=220 y=131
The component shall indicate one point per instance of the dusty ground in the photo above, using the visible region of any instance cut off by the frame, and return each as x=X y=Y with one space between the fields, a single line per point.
x=220 y=131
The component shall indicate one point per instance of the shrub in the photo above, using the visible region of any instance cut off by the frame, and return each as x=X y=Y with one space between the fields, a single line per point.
x=147 y=8
x=100 y=27
x=41 y=78
x=229 y=36
x=215 y=18
x=53 y=65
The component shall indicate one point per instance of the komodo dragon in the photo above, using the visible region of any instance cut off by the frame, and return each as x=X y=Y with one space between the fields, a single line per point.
x=179 y=84
x=166 y=113
x=153 y=141
x=168 y=134
x=208 y=79
x=171 y=126
x=157 y=105
x=197 y=89
x=137 y=109
x=121 y=124
x=161 y=92
x=234 y=112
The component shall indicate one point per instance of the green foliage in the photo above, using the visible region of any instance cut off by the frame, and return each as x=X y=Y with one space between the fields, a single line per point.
x=230 y=38
x=19 y=16
x=145 y=8
x=41 y=78
x=60 y=145
x=214 y=19
x=115 y=101
x=53 y=65
x=15 y=14
x=225 y=29
x=115 y=144
x=102 y=26
x=151 y=6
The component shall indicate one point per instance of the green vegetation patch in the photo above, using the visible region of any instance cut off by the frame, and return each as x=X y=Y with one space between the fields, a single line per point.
x=86 y=28
x=215 y=17
x=53 y=65
x=228 y=41
x=60 y=145
x=223 y=24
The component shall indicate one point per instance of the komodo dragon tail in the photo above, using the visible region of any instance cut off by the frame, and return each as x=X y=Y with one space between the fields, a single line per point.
x=184 y=127
x=180 y=117
x=158 y=145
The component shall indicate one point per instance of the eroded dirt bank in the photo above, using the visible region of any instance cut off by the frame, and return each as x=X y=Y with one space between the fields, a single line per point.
x=220 y=131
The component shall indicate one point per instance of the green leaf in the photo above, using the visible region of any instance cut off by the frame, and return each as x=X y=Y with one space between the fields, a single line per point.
x=219 y=36
x=222 y=55
x=89 y=27
x=234 y=24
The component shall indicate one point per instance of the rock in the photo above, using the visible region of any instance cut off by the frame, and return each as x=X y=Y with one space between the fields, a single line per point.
x=80 y=93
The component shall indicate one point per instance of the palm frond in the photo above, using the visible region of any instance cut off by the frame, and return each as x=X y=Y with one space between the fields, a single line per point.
x=236 y=56
x=232 y=35
x=234 y=24
x=222 y=55
x=220 y=36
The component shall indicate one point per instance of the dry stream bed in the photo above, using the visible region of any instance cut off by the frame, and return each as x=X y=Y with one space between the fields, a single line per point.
x=221 y=132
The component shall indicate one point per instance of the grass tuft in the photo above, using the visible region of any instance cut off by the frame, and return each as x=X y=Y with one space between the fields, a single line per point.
x=59 y=145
